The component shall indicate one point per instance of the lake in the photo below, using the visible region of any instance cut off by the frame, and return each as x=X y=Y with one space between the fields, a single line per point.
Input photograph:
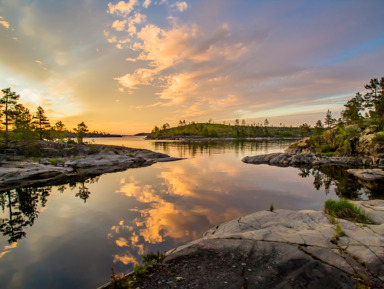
x=70 y=236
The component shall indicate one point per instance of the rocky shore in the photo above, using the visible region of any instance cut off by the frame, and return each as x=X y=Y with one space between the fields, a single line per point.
x=312 y=160
x=201 y=138
x=279 y=249
x=81 y=161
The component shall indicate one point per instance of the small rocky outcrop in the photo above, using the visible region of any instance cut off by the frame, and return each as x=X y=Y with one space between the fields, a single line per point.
x=87 y=162
x=312 y=160
x=367 y=174
x=279 y=249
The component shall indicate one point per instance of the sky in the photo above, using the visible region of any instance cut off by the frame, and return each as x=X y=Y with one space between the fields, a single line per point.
x=126 y=66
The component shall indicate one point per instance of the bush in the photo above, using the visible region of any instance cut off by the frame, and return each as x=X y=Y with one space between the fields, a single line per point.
x=117 y=282
x=344 y=209
x=55 y=162
x=325 y=148
x=140 y=270
x=378 y=138
x=152 y=259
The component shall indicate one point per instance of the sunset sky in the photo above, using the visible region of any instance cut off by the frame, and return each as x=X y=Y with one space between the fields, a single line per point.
x=126 y=66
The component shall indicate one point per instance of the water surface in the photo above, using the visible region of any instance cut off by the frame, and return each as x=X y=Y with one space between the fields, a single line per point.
x=70 y=236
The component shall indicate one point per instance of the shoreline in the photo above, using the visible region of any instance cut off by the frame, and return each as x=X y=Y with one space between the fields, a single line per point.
x=87 y=162
x=278 y=249
x=198 y=138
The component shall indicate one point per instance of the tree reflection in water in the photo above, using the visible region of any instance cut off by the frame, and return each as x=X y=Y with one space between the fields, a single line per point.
x=21 y=206
x=345 y=184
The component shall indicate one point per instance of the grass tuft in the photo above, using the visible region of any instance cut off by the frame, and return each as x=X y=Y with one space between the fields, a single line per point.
x=344 y=209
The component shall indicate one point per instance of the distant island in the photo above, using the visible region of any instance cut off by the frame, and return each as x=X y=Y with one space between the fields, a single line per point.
x=223 y=131
x=141 y=134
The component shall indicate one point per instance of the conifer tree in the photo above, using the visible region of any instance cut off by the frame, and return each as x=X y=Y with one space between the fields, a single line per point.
x=353 y=108
x=59 y=130
x=81 y=130
x=329 y=120
x=41 y=122
x=7 y=103
x=375 y=99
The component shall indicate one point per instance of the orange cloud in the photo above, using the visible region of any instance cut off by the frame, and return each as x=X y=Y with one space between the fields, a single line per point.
x=122 y=242
x=125 y=259
x=146 y=3
x=181 y=6
x=119 y=25
x=122 y=7
x=3 y=22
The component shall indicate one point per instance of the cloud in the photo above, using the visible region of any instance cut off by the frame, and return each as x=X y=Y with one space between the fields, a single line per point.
x=146 y=3
x=132 y=21
x=122 y=8
x=181 y=6
x=122 y=242
x=119 y=25
x=125 y=259
x=3 y=22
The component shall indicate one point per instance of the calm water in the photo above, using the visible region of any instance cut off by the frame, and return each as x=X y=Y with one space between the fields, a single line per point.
x=71 y=236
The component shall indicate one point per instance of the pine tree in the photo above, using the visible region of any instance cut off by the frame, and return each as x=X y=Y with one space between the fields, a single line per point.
x=81 y=130
x=375 y=99
x=41 y=122
x=353 y=108
x=7 y=103
x=59 y=130
x=329 y=120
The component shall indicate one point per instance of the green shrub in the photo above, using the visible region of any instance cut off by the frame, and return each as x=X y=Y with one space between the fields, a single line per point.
x=271 y=207
x=378 y=138
x=328 y=154
x=117 y=282
x=140 y=270
x=344 y=209
x=325 y=148
x=152 y=259
x=55 y=162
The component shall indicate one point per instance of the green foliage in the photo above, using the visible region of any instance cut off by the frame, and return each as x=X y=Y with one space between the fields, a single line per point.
x=152 y=259
x=326 y=148
x=117 y=282
x=140 y=270
x=271 y=207
x=378 y=138
x=214 y=130
x=328 y=154
x=338 y=233
x=344 y=209
x=41 y=123
x=346 y=148
x=7 y=104
x=55 y=162
x=329 y=120
x=81 y=130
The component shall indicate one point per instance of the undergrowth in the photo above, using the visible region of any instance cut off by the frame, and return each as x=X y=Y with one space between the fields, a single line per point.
x=344 y=209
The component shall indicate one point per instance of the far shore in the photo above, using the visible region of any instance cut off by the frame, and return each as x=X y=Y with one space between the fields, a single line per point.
x=200 y=138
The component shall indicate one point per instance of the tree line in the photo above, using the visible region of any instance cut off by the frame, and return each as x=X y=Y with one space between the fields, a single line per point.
x=19 y=125
x=361 y=112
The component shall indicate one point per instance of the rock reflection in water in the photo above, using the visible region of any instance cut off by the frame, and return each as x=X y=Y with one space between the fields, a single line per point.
x=344 y=184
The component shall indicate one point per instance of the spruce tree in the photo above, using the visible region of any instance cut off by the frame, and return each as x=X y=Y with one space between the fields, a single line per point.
x=41 y=122
x=81 y=130
x=7 y=103
x=329 y=120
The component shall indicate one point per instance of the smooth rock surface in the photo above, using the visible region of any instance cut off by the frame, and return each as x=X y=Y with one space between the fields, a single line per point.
x=367 y=174
x=279 y=249
x=310 y=160
x=89 y=162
